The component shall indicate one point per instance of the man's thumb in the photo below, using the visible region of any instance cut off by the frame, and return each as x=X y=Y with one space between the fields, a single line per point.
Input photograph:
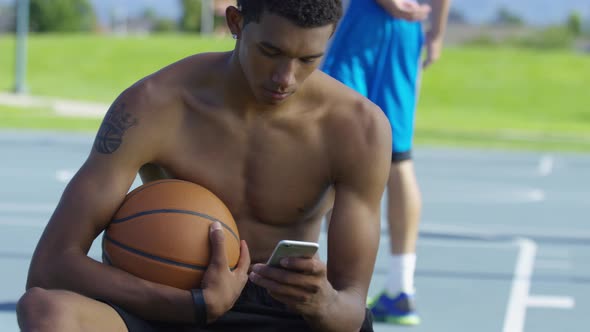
x=217 y=238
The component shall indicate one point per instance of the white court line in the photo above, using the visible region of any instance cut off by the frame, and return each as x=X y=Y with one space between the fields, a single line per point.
x=452 y=243
x=491 y=196
x=545 y=167
x=521 y=284
x=534 y=195
x=441 y=243
x=64 y=175
x=555 y=302
x=501 y=229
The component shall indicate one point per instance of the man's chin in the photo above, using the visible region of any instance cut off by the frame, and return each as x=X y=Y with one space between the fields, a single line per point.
x=273 y=101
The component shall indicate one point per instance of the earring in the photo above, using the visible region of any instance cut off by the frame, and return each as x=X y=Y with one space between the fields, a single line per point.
x=234 y=35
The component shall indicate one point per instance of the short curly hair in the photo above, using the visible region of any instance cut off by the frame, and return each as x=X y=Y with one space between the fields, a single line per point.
x=303 y=13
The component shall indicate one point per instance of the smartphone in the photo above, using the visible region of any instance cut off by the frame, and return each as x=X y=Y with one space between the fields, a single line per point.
x=290 y=248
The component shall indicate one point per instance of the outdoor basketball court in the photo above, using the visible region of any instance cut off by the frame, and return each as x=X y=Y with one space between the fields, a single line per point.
x=504 y=246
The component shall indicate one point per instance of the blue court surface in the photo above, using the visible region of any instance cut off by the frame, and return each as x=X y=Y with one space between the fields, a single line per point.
x=504 y=244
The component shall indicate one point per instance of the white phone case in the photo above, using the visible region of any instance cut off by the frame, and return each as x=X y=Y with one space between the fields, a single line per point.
x=290 y=248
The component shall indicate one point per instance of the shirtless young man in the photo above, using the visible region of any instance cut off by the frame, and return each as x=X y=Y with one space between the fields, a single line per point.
x=277 y=140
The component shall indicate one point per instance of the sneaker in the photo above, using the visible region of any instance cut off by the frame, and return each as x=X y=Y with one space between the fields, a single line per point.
x=398 y=310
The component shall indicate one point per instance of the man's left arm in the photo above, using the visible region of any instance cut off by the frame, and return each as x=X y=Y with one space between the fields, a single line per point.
x=435 y=34
x=362 y=162
x=332 y=296
x=354 y=229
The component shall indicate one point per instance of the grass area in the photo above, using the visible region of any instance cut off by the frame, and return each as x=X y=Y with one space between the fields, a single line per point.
x=478 y=96
x=479 y=89
x=506 y=97
x=97 y=68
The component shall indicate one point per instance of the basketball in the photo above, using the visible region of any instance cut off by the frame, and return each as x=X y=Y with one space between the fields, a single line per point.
x=160 y=233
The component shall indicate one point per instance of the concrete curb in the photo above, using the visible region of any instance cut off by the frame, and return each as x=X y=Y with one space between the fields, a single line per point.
x=59 y=106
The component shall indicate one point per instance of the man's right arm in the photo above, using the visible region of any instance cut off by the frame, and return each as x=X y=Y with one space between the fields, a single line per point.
x=126 y=140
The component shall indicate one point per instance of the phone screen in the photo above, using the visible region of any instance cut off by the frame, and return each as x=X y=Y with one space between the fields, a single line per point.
x=288 y=248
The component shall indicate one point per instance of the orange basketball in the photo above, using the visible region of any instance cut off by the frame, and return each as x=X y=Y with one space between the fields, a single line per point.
x=161 y=233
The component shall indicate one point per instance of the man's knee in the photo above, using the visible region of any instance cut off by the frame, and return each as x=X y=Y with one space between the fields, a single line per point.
x=41 y=310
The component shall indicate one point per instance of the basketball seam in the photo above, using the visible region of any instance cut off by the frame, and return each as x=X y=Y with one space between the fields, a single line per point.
x=106 y=259
x=105 y=255
x=154 y=257
x=179 y=211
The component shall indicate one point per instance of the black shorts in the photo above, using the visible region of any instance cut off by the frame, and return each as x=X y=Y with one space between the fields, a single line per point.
x=255 y=310
x=397 y=157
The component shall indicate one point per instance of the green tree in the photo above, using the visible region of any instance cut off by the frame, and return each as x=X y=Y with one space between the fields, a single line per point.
x=149 y=14
x=158 y=24
x=574 y=23
x=164 y=25
x=191 y=15
x=62 y=15
x=505 y=17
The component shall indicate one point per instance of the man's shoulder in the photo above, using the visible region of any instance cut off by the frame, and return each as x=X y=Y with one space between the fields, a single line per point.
x=361 y=122
x=357 y=134
x=189 y=70
x=196 y=67
x=148 y=94
x=346 y=107
x=353 y=126
x=342 y=96
x=152 y=100
x=164 y=86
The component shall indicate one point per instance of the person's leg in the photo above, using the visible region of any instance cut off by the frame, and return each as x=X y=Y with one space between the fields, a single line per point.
x=397 y=97
x=396 y=303
x=404 y=203
x=58 y=310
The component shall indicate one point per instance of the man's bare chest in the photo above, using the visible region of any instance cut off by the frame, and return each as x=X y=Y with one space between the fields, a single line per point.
x=275 y=178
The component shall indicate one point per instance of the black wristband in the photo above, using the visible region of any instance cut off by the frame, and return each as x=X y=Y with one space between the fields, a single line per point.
x=200 y=307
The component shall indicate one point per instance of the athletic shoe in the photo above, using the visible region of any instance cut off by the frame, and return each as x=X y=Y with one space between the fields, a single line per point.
x=397 y=310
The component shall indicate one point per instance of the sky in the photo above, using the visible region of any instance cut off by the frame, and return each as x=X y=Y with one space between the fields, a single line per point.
x=537 y=12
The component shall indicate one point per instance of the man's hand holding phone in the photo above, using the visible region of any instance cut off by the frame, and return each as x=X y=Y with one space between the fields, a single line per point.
x=299 y=280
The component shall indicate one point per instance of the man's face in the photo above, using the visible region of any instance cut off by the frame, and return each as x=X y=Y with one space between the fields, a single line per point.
x=277 y=56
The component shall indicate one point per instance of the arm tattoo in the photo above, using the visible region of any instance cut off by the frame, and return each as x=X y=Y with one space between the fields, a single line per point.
x=111 y=131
